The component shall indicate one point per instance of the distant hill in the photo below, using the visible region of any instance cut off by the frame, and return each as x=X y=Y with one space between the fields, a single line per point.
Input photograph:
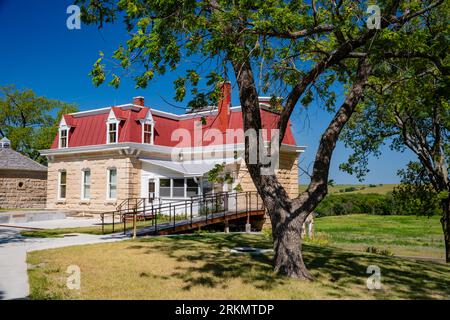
x=356 y=188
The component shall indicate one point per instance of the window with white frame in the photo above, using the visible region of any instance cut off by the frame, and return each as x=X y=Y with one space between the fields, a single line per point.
x=112 y=132
x=192 y=188
x=112 y=183
x=178 y=187
x=147 y=133
x=63 y=138
x=62 y=184
x=164 y=188
x=86 y=184
x=148 y=128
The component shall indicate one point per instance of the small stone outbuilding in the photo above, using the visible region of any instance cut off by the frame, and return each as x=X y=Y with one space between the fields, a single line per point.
x=23 y=182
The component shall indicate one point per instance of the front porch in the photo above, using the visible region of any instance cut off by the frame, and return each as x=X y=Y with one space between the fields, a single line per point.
x=164 y=181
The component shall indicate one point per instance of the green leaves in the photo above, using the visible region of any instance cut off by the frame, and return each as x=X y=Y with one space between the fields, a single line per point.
x=219 y=175
x=180 y=88
x=416 y=195
x=29 y=120
x=115 y=82
x=193 y=77
x=405 y=104
x=98 y=71
x=143 y=79
x=307 y=98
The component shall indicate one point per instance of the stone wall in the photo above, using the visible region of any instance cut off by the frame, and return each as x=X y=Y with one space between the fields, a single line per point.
x=23 y=189
x=128 y=181
x=287 y=175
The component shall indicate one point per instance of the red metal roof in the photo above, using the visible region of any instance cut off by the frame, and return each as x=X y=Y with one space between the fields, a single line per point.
x=90 y=129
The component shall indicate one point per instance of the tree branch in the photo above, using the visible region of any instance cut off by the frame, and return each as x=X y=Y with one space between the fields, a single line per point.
x=344 y=51
x=318 y=187
x=293 y=34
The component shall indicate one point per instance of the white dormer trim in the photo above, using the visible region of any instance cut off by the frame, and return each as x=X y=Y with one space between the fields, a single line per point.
x=5 y=143
x=148 y=120
x=112 y=120
x=63 y=127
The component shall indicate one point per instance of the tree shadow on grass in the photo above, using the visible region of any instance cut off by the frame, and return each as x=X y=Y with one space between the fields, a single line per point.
x=10 y=236
x=216 y=265
x=342 y=273
x=403 y=278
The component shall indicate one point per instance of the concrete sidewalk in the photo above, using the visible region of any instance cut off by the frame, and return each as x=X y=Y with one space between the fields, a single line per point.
x=13 y=252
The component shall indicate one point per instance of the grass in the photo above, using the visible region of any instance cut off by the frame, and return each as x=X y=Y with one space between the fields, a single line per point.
x=359 y=188
x=199 y=266
x=16 y=209
x=60 y=232
x=402 y=235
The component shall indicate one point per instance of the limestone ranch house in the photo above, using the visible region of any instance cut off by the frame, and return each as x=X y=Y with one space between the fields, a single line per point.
x=22 y=180
x=102 y=157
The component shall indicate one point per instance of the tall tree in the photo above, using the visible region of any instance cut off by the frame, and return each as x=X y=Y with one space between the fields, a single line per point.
x=291 y=49
x=415 y=194
x=408 y=107
x=30 y=121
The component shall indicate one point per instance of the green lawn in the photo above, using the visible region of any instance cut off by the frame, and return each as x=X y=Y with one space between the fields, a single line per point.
x=359 y=188
x=59 y=232
x=15 y=209
x=402 y=235
x=199 y=266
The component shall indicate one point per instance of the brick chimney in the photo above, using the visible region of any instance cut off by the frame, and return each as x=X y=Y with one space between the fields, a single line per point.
x=139 y=101
x=224 y=105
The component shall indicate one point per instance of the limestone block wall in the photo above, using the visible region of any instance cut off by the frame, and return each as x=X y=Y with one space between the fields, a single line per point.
x=23 y=189
x=128 y=181
x=287 y=175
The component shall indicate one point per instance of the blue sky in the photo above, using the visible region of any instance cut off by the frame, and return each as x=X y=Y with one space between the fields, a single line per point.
x=40 y=53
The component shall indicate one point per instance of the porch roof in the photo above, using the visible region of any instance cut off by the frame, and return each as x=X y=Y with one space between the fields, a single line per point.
x=190 y=168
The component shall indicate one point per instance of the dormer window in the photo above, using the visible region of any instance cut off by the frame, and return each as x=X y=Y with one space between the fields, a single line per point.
x=5 y=143
x=63 y=138
x=148 y=126
x=112 y=128
x=63 y=130
x=147 y=133
x=112 y=132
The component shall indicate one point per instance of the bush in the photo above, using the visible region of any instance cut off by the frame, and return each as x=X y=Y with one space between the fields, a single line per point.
x=382 y=252
x=267 y=232
x=320 y=239
x=400 y=202
x=348 y=189
x=334 y=205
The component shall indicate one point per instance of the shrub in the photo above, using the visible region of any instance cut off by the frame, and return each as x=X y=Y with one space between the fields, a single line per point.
x=320 y=239
x=382 y=252
x=267 y=232
x=342 y=204
x=401 y=202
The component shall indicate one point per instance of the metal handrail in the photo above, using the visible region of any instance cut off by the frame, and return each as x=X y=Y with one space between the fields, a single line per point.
x=207 y=205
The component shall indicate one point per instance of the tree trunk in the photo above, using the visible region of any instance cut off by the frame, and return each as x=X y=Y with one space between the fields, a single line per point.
x=445 y=220
x=287 y=216
x=288 y=258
